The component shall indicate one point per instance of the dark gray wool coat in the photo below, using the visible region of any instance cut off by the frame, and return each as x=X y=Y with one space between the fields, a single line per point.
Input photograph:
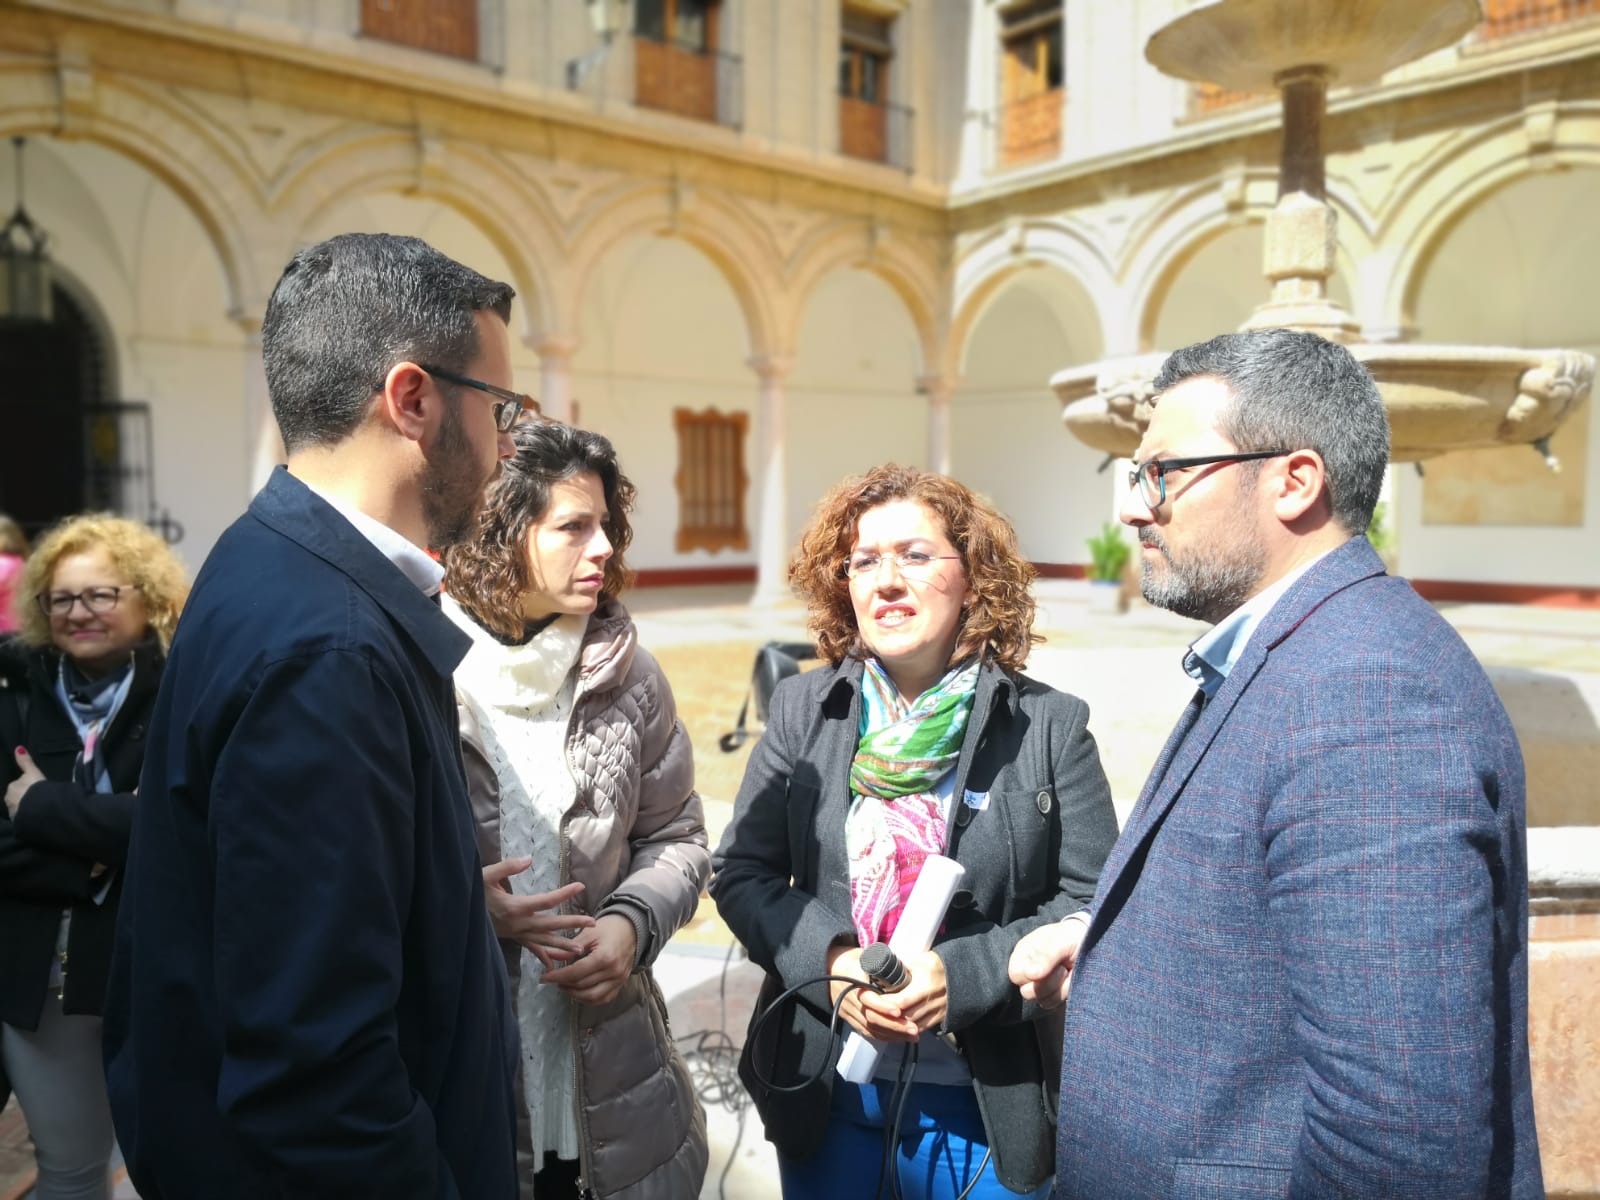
x=1032 y=855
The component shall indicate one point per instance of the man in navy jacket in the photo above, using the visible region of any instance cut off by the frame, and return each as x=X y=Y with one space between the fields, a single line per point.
x=306 y=999
x=1305 y=970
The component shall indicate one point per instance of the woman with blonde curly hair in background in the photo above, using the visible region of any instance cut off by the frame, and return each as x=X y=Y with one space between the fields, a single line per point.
x=920 y=737
x=100 y=600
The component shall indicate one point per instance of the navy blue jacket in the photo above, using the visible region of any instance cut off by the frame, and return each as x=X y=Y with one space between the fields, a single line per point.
x=306 y=998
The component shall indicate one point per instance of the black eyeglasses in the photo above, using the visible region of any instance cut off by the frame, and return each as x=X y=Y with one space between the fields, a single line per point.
x=98 y=600
x=511 y=404
x=1150 y=476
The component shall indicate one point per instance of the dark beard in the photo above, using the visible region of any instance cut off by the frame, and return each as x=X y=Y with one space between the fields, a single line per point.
x=452 y=499
x=1206 y=587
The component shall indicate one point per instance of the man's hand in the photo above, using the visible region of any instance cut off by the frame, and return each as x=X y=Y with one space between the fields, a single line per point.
x=524 y=919
x=605 y=960
x=18 y=786
x=1041 y=963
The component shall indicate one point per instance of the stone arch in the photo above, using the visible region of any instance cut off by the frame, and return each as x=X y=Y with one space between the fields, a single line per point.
x=1156 y=293
x=1459 y=175
x=1169 y=241
x=853 y=245
x=1055 y=245
x=189 y=156
x=716 y=228
x=470 y=180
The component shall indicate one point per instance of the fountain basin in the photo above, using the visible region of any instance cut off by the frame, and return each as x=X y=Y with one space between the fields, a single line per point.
x=1244 y=45
x=1439 y=398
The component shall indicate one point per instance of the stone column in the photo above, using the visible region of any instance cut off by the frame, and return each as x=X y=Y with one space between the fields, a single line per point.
x=771 y=482
x=938 y=389
x=555 y=353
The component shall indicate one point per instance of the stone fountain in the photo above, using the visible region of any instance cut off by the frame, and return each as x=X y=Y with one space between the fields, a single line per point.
x=1439 y=398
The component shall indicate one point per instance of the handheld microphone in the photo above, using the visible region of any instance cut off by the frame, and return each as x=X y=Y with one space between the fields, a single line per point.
x=919 y=922
x=884 y=970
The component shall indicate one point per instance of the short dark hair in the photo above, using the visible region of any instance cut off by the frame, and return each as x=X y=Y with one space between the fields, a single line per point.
x=348 y=309
x=488 y=573
x=1292 y=391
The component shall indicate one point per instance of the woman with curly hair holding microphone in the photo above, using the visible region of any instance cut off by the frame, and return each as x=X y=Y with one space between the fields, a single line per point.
x=921 y=736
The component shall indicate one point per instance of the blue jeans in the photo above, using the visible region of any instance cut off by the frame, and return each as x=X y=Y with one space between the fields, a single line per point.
x=940 y=1150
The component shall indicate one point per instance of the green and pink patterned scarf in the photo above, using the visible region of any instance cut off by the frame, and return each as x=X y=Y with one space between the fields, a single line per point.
x=895 y=820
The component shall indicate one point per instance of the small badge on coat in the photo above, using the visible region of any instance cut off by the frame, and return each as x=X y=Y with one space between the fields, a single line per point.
x=976 y=801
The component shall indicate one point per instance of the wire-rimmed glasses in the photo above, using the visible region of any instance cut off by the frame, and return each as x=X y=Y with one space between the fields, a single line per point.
x=914 y=564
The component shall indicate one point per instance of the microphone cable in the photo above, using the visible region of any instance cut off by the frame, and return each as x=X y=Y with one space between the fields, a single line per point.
x=885 y=974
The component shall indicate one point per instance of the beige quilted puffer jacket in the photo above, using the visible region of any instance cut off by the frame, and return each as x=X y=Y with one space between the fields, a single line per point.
x=636 y=838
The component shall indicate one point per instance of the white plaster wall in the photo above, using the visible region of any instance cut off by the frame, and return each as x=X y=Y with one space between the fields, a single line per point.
x=1219 y=286
x=1008 y=441
x=443 y=228
x=137 y=258
x=660 y=330
x=852 y=395
x=1518 y=270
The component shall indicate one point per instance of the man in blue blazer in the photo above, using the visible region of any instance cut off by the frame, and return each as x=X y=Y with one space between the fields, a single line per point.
x=306 y=998
x=1304 y=971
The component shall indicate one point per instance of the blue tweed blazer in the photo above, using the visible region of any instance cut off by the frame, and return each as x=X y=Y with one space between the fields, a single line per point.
x=1307 y=971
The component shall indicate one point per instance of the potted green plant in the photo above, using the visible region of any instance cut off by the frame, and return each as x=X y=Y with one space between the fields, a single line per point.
x=1108 y=558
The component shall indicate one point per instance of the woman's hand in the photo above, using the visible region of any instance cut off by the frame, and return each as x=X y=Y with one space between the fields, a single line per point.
x=901 y=1016
x=605 y=960
x=18 y=786
x=915 y=1009
x=524 y=919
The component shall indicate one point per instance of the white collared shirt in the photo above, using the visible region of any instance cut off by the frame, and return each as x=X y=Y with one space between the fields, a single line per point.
x=413 y=562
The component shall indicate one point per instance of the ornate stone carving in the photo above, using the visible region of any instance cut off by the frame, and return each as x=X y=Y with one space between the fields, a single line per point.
x=1546 y=395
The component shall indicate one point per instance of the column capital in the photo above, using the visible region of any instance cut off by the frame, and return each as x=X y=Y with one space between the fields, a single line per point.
x=938 y=387
x=249 y=318
x=771 y=368
x=553 y=345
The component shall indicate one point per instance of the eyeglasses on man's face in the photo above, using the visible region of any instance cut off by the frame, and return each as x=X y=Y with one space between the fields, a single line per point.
x=509 y=406
x=98 y=600
x=1150 y=476
x=913 y=563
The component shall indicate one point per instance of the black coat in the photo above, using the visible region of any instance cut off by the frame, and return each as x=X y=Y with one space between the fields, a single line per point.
x=1032 y=854
x=306 y=996
x=61 y=831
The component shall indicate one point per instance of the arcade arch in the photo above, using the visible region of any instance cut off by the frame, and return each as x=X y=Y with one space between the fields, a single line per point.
x=1212 y=285
x=662 y=329
x=1534 y=237
x=853 y=395
x=143 y=274
x=1009 y=442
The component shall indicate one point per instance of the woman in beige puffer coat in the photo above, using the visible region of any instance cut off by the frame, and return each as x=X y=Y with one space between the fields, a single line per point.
x=592 y=834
